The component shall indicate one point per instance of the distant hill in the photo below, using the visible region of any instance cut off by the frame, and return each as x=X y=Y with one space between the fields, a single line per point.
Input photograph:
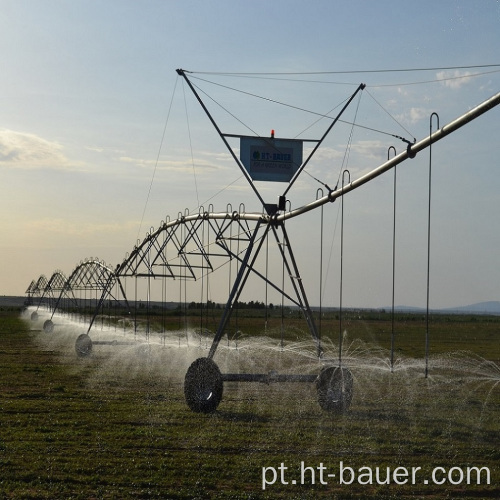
x=9 y=301
x=489 y=307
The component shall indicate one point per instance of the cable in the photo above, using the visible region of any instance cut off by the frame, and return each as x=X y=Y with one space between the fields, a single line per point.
x=351 y=72
x=438 y=80
x=349 y=143
x=222 y=107
x=346 y=154
x=263 y=98
x=321 y=115
x=387 y=112
x=320 y=118
x=221 y=190
x=157 y=160
x=190 y=146
x=372 y=85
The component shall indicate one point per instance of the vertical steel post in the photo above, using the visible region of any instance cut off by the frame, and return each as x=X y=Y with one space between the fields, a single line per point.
x=392 y=148
x=429 y=248
x=238 y=285
x=342 y=265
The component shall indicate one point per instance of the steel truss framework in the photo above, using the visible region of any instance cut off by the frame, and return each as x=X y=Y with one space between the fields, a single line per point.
x=46 y=290
x=194 y=245
x=203 y=382
x=36 y=289
x=54 y=287
x=90 y=275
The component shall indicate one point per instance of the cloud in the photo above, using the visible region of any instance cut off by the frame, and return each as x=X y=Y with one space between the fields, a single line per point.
x=371 y=150
x=201 y=165
x=105 y=150
x=77 y=228
x=413 y=115
x=417 y=114
x=454 y=79
x=325 y=153
x=23 y=150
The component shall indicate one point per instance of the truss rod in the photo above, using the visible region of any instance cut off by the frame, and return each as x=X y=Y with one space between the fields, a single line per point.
x=410 y=152
x=299 y=171
x=182 y=73
x=238 y=285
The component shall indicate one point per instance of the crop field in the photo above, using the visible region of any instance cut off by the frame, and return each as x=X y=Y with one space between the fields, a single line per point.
x=115 y=425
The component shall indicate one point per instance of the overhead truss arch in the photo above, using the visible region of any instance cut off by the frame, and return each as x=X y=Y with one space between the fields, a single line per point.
x=192 y=246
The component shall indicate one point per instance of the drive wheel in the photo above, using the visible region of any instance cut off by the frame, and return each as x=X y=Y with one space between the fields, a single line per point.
x=83 y=345
x=48 y=326
x=335 y=388
x=203 y=386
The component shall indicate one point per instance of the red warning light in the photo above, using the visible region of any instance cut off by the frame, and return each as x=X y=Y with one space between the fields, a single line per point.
x=272 y=134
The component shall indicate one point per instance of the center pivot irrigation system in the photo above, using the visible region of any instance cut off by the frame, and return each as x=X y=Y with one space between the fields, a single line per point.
x=193 y=246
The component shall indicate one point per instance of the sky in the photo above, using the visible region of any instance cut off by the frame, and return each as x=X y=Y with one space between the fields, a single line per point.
x=101 y=139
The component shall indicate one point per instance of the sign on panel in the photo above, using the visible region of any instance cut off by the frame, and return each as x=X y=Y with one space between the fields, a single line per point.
x=271 y=159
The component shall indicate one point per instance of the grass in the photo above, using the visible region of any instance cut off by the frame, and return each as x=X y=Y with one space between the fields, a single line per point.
x=107 y=427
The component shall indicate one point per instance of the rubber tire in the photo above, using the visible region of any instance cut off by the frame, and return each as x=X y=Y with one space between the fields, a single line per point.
x=335 y=389
x=83 y=345
x=203 y=386
x=48 y=326
x=34 y=316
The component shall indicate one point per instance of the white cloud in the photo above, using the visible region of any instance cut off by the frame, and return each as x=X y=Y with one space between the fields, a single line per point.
x=417 y=114
x=454 y=79
x=77 y=228
x=201 y=165
x=372 y=150
x=325 y=153
x=23 y=150
x=413 y=115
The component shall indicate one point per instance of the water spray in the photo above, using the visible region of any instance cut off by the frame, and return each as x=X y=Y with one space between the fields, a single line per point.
x=195 y=244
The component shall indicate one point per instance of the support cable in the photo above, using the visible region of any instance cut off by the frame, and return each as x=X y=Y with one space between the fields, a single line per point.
x=190 y=145
x=351 y=72
x=318 y=144
x=392 y=117
x=347 y=152
x=410 y=152
x=157 y=160
x=221 y=190
x=345 y=161
x=436 y=80
x=321 y=115
x=373 y=85
x=225 y=109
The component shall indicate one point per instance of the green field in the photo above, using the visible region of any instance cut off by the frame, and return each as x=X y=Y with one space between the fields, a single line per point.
x=115 y=425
